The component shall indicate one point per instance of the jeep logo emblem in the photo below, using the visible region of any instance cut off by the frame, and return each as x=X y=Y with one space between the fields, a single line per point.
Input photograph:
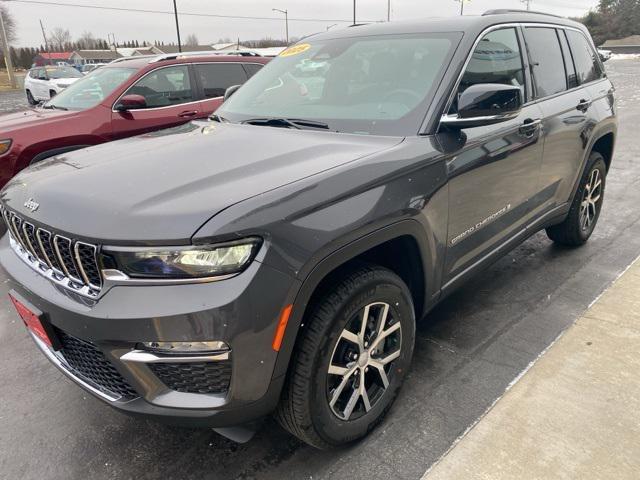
x=31 y=205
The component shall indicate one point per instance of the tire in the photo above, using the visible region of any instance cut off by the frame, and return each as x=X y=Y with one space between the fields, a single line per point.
x=306 y=409
x=583 y=215
x=30 y=99
x=52 y=93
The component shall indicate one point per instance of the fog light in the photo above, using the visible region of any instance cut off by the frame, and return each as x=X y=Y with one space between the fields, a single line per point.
x=186 y=347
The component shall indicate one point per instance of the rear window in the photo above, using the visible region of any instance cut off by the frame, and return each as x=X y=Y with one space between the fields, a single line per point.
x=62 y=72
x=584 y=57
x=547 y=61
x=215 y=78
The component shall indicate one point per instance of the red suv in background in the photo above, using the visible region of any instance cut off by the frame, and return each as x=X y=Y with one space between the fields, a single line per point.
x=124 y=98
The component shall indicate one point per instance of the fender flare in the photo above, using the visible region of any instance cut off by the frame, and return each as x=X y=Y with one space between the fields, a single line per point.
x=301 y=297
x=55 y=151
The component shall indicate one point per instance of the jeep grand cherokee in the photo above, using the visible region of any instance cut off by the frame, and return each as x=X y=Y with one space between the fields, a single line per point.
x=277 y=257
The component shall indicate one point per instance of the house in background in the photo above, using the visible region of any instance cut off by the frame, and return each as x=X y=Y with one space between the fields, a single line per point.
x=137 y=51
x=53 y=58
x=82 y=57
x=629 y=44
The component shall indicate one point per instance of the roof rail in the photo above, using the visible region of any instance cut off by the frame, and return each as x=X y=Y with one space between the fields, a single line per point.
x=502 y=11
x=205 y=53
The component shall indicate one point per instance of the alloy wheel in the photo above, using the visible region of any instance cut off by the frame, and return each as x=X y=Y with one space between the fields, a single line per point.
x=590 y=200
x=360 y=370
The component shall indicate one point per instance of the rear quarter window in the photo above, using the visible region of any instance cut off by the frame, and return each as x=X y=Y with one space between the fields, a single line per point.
x=587 y=65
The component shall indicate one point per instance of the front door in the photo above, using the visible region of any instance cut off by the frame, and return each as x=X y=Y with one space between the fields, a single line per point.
x=495 y=172
x=170 y=99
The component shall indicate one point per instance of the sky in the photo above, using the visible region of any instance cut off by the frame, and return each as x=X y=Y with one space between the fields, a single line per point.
x=158 y=26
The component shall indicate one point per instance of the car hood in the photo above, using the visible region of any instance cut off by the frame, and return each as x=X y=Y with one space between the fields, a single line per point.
x=64 y=81
x=32 y=116
x=161 y=187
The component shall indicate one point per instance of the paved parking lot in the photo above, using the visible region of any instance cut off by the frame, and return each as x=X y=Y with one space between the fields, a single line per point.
x=468 y=351
x=12 y=101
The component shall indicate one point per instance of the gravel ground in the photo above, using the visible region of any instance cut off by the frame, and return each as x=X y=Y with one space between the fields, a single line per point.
x=468 y=350
x=12 y=101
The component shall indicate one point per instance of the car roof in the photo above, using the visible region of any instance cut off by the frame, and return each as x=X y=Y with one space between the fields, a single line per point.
x=143 y=61
x=460 y=23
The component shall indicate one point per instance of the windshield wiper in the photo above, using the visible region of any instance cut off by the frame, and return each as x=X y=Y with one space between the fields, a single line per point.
x=287 y=123
x=53 y=107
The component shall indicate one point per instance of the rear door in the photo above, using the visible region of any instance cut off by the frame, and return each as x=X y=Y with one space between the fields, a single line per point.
x=171 y=98
x=567 y=114
x=495 y=173
x=214 y=78
x=40 y=84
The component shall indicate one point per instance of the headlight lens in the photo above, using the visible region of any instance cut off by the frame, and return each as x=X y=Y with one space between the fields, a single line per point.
x=5 y=145
x=187 y=262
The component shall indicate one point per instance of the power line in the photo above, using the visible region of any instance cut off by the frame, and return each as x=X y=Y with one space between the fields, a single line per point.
x=167 y=12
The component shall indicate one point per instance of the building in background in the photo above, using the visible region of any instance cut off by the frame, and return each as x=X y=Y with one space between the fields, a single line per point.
x=53 y=58
x=82 y=57
x=630 y=44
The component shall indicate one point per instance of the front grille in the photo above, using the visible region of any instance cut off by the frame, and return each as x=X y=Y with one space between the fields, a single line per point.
x=203 y=377
x=69 y=262
x=86 y=361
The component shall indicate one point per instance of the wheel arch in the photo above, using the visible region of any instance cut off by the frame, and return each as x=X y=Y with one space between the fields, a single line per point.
x=407 y=237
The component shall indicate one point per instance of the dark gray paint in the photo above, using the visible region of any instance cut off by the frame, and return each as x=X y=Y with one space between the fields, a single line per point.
x=317 y=198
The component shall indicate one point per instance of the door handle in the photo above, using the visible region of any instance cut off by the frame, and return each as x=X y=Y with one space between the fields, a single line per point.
x=584 y=105
x=188 y=113
x=529 y=126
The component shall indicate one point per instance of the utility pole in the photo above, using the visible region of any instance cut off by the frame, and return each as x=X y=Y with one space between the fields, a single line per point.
x=7 y=53
x=46 y=44
x=388 y=10
x=286 y=21
x=461 y=6
x=528 y=3
x=354 y=12
x=175 y=12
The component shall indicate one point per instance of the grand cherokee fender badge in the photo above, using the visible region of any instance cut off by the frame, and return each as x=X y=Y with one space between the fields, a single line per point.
x=31 y=205
x=481 y=224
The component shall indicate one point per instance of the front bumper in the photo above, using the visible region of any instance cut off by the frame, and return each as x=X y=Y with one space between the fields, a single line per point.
x=242 y=311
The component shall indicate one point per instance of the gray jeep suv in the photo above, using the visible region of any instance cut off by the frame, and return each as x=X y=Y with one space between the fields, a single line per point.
x=277 y=257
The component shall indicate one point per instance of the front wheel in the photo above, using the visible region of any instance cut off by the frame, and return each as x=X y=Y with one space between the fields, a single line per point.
x=585 y=208
x=30 y=99
x=349 y=365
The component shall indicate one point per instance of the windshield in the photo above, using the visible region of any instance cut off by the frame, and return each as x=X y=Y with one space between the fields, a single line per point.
x=91 y=89
x=379 y=85
x=62 y=72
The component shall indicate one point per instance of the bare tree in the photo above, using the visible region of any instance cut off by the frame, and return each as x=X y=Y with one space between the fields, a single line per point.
x=59 y=38
x=191 y=41
x=9 y=26
x=87 y=41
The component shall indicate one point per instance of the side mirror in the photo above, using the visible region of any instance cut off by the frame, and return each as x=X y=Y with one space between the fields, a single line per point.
x=230 y=91
x=131 y=102
x=485 y=104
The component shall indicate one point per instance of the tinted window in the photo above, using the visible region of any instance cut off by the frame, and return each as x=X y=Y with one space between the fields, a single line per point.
x=164 y=87
x=546 y=60
x=572 y=79
x=252 y=68
x=587 y=66
x=496 y=59
x=215 y=78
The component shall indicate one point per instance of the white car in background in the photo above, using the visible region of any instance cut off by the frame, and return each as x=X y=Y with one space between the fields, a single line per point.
x=43 y=83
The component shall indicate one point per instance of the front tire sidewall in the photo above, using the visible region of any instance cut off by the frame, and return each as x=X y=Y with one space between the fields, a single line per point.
x=332 y=429
x=596 y=162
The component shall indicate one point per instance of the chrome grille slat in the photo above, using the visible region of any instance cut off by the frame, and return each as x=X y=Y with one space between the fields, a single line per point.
x=67 y=262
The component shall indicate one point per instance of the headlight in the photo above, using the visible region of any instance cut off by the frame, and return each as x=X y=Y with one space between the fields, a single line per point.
x=5 y=145
x=61 y=85
x=186 y=262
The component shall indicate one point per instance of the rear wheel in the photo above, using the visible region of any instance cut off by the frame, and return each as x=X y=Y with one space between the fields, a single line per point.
x=585 y=209
x=30 y=99
x=351 y=360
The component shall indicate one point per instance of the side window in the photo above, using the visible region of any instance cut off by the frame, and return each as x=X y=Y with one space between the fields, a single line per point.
x=587 y=65
x=496 y=59
x=547 y=63
x=215 y=78
x=572 y=79
x=252 y=68
x=164 y=87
